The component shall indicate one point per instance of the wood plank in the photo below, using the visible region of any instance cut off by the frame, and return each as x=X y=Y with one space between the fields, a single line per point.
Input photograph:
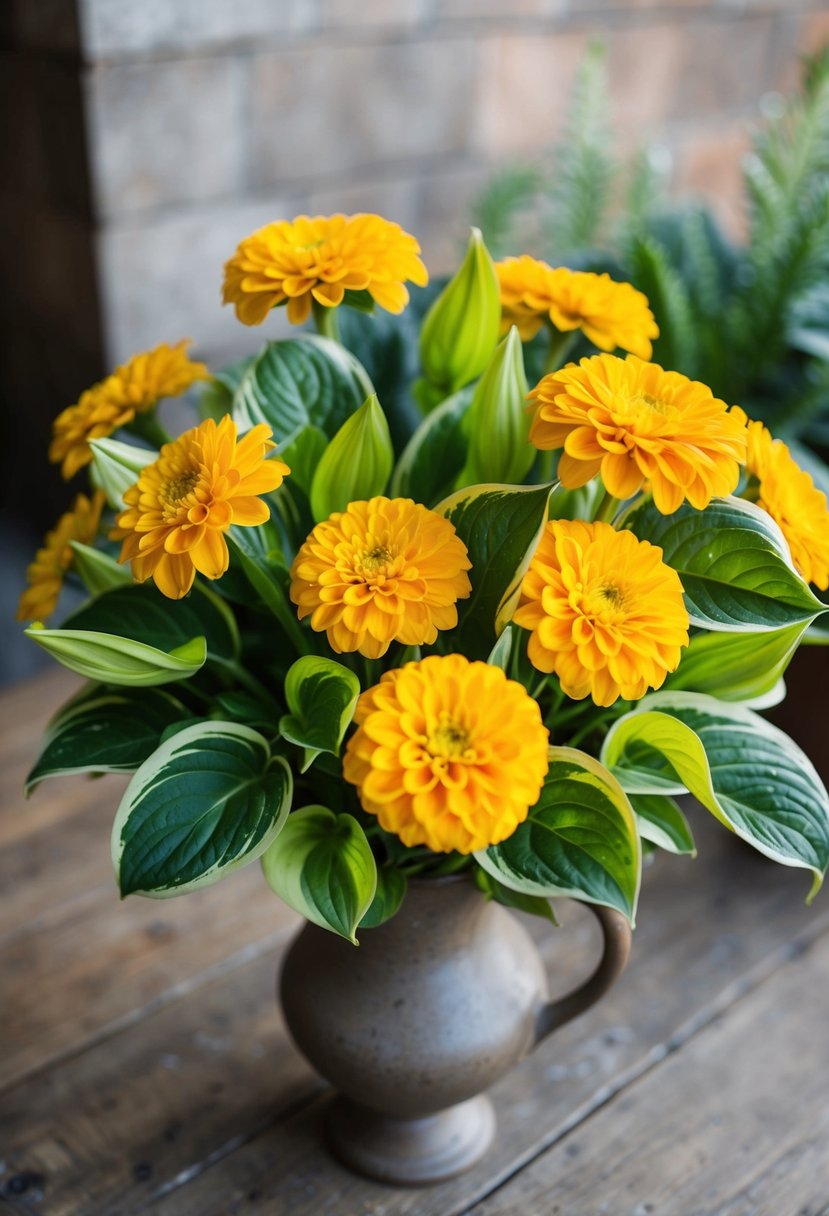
x=89 y=965
x=737 y=1124
x=706 y=929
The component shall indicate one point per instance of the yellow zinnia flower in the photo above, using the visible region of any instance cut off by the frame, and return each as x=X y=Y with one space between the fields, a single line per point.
x=133 y=388
x=382 y=571
x=791 y=498
x=606 y=613
x=321 y=257
x=177 y=513
x=46 y=573
x=450 y=754
x=631 y=421
x=610 y=314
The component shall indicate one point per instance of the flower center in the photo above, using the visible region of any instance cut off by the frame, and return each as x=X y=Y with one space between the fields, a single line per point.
x=612 y=594
x=448 y=740
x=373 y=561
x=655 y=405
x=179 y=487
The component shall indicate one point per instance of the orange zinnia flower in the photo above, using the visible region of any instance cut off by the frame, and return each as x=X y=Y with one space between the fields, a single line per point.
x=449 y=753
x=633 y=422
x=790 y=497
x=607 y=615
x=202 y=483
x=321 y=258
x=47 y=571
x=610 y=314
x=381 y=571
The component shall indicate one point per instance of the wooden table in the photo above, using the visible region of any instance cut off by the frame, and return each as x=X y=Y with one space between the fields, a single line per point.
x=144 y=1066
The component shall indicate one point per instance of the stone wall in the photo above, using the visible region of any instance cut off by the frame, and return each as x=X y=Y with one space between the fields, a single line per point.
x=145 y=137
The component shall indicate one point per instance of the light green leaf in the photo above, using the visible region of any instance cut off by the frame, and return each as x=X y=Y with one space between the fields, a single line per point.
x=323 y=868
x=321 y=696
x=498 y=422
x=435 y=454
x=501 y=527
x=748 y=774
x=210 y=800
x=662 y=823
x=98 y=571
x=141 y=613
x=357 y=463
x=101 y=730
x=734 y=564
x=116 y=466
x=391 y=889
x=744 y=667
x=501 y=652
x=580 y=839
x=110 y=659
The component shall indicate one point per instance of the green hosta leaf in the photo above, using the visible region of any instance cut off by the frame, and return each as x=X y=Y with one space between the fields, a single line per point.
x=104 y=731
x=391 y=889
x=142 y=614
x=216 y=398
x=580 y=839
x=323 y=868
x=208 y=801
x=500 y=526
x=98 y=571
x=268 y=576
x=662 y=823
x=302 y=382
x=110 y=659
x=535 y=905
x=321 y=696
x=434 y=456
x=357 y=463
x=749 y=774
x=734 y=564
x=737 y=666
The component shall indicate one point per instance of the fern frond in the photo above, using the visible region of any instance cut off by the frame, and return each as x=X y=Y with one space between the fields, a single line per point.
x=652 y=272
x=511 y=191
x=583 y=167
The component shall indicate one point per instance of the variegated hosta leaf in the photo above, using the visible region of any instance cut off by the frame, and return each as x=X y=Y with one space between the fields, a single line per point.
x=109 y=659
x=662 y=823
x=104 y=730
x=743 y=667
x=208 y=801
x=734 y=564
x=749 y=774
x=322 y=866
x=580 y=839
x=501 y=527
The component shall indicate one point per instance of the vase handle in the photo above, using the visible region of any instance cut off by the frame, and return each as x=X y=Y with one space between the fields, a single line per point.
x=616 y=948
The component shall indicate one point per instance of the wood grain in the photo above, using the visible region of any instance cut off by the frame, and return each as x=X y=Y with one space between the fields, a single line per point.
x=737 y=1124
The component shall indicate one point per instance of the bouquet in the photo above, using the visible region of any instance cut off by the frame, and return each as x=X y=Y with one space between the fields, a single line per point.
x=382 y=612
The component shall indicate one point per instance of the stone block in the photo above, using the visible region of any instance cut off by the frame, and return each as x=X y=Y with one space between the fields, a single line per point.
x=325 y=111
x=161 y=279
x=395 y=199
x=444 y=214
x=360 y=14
x=709 y=166
x=524 y=87
x=502 y=11
x=167 y=132
x=727 y=66
x=115 y=29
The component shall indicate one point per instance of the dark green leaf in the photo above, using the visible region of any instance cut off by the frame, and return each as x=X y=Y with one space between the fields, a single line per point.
x=321 y=696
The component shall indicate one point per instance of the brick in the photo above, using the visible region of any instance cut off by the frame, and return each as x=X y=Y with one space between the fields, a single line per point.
x=644 y=67
x=709 y=165
x=161 y=280
x=348 y=14
x=727 y=66
x=167 y=132
x=524 y=87
x=119 y=28
x=324 y=111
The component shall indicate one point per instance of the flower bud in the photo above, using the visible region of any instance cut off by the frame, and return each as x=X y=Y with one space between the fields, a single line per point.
x=498 y=422
x=461 y=328
x=116 y=466
x=357 y=463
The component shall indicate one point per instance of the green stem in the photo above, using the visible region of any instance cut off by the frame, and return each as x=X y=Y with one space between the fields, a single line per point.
x=545 y=467
x=325 y=320
x=147 y=426
x=558 y=350
x=607 y=508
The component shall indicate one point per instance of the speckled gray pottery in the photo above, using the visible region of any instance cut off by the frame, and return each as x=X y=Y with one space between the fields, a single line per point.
x=430 y=1010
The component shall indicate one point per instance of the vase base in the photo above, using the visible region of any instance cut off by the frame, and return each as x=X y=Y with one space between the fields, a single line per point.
x=410 y=1152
